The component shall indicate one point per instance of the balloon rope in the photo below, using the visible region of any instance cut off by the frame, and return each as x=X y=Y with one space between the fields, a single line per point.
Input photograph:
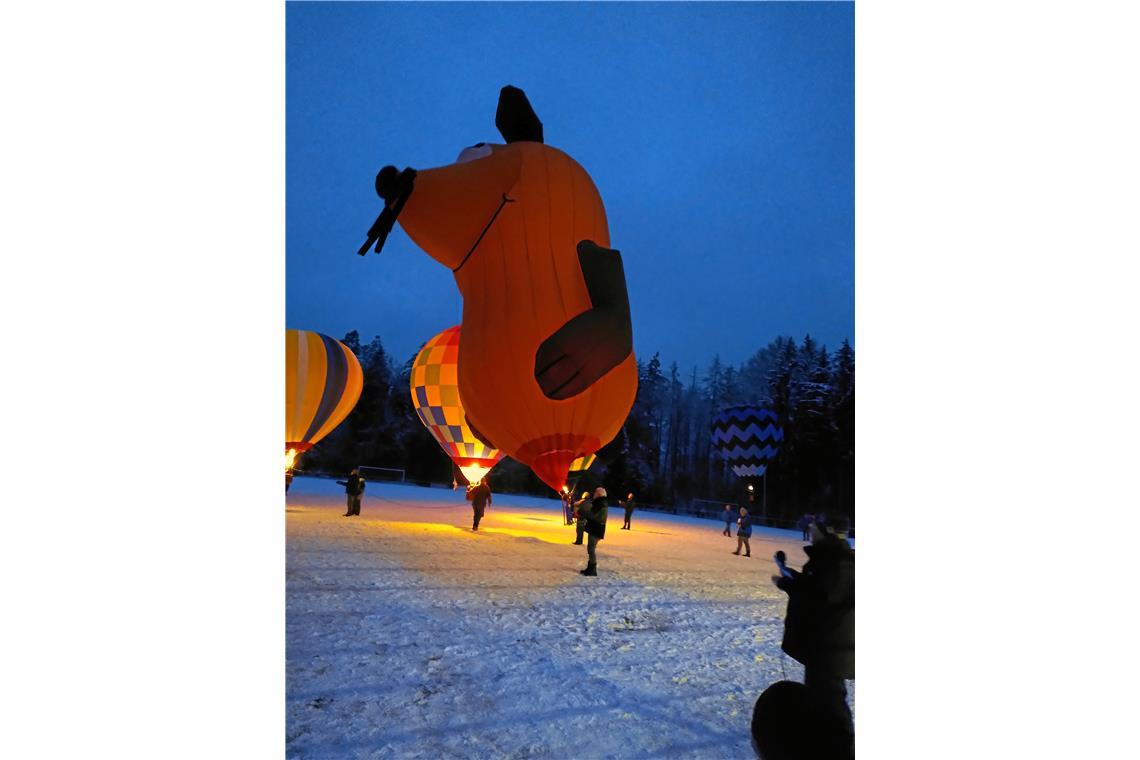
x=494 y=216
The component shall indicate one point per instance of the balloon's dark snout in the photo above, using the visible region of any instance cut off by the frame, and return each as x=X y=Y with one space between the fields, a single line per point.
x=386 y=182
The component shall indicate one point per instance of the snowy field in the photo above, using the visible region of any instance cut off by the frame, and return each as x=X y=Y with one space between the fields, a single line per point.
x=408 y=635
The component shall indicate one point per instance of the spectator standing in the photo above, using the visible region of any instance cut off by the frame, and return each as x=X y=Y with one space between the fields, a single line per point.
x=729 y=518
x=354 y=490
x=629 y=507
x=743 y=532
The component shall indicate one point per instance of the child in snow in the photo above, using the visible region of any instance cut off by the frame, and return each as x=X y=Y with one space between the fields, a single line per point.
x=743 y=532
x=728 y=518
x=354 y=489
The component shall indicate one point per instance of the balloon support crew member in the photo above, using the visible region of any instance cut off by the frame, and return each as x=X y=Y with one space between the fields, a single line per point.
x=354 y=489
x=596 y=527
x=729 y=517
x=480 y=497
x=580 y=517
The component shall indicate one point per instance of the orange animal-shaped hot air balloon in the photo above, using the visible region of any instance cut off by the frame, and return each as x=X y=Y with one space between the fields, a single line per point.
x=435 y=395
x=546 y=366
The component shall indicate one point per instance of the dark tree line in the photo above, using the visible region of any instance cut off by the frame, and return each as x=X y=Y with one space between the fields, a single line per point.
x=667 y=458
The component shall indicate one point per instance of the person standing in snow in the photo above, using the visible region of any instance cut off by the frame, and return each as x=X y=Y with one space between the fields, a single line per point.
x=564 y=497
x=819 y=627
x=802 y=526
x=480 y=497
x=743 y=532
x=629 y=506
x=729 y=517
x=596 y=528
x=580 y=516
x=354 y=489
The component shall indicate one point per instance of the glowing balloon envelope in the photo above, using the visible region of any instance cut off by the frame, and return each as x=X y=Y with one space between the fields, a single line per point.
x=435 y=395
x=748 y=438
x=546 y=366
x=323 y=381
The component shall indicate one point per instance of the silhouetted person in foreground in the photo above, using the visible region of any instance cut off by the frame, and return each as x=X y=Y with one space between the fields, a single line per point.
x=729 y=518
x=788 y=725
x=288 y=480
x=629 y=507
x=596 y=528
x=480 y=497
x=354 y=489
x=743 y=532
x=819 y=628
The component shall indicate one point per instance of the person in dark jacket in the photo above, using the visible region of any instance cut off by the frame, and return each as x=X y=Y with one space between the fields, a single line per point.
x=629 y=507
x=729 y=517
x=480 y=497
x=803 y=525
x=580 y=516
x=743 y=532
x=819 y=627
x=354 y=489
x=596 y=528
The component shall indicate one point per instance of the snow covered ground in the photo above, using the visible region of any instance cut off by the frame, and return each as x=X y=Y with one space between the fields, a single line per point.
x=408 y=635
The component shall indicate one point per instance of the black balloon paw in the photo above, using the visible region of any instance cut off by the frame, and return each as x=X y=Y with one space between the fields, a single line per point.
x=594 y=342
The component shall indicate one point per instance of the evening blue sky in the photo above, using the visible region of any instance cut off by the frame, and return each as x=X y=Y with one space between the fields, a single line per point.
x=720 y=136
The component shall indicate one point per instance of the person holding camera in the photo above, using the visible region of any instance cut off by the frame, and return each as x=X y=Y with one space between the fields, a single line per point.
x=819 y=627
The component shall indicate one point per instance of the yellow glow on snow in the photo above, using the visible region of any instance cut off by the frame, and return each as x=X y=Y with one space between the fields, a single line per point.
x=546 y=526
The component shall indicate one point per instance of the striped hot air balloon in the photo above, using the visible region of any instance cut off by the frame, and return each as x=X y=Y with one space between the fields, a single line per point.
x=435 y=394
x=323 y=381
x=748 y=438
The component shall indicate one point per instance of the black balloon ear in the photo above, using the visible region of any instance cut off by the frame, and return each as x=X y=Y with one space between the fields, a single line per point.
x=515 y=119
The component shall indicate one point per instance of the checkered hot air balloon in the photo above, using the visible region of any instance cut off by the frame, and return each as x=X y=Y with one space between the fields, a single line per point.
x=747 y=437
x=435 y=394
x=323 y=381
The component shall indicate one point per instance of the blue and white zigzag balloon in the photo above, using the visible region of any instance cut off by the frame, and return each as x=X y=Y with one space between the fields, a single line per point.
x=747 y=437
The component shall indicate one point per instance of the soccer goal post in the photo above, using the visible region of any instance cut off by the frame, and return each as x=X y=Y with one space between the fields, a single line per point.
x=393 y=474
